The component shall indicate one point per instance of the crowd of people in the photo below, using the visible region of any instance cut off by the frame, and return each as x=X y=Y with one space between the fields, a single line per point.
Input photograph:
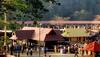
x=67 y=48
x=17 y=49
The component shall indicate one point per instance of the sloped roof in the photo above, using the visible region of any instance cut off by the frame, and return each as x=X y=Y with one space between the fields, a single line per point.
x=54 y=35
x=59 y=22
x=24 y=34
x=75 y=33
x=42 y=34
x=69 y=22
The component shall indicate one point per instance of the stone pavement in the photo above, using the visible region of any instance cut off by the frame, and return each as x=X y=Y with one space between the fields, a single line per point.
x=51 y=55
x=48 y=55
x=10 y=56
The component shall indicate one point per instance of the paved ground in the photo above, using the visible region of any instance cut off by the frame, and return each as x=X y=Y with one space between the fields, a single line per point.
x=48 y=55
x=52 y=55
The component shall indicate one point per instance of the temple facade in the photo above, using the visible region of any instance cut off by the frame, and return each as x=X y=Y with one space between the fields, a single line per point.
x=61 y=24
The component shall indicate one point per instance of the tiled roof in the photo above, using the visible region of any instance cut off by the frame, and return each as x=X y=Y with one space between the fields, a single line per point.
x=26 y=22
x=61 y=22
x=53 y=38
x=75 y=33
x=42 y=34
x=24 y=34
x=54 y=35
x=74 y=22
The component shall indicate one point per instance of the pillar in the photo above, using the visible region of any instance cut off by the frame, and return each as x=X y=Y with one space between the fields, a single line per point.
x=93 y=54
x=55 y=49
x=78 y=26
x=79 y=51
x=68 y=49
x=89 y=54
x=74 y=26
x=82 y=53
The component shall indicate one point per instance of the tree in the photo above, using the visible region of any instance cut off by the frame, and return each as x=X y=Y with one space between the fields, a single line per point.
x=82 y=14
x=25 y=9
x=6 y=6
x=2 y=41
x=97 y=18
x=14 y=26
x=10 y=6
x=37 y=9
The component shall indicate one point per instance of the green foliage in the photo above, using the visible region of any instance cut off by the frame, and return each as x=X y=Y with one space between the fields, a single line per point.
x=11 y=4
x=82 y=14
x=24 y=9
x=36 y=8
x=19 y=4
x=2 y=40
x=14 y=26
x=50 y=0
x=1 y=24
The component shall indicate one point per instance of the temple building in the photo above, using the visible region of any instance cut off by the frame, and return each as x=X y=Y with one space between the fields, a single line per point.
x=72 y=30
x=76 y=35
x=61 y=24
x=71 y=24
x=47 y=37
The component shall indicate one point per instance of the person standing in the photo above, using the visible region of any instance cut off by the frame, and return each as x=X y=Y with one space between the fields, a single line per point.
x=29 y=51
x=17 y=50
x=45 y=51
x=76 y=50
x=11 y=49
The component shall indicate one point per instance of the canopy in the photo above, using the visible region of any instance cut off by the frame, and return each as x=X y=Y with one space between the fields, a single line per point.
x=93 y=46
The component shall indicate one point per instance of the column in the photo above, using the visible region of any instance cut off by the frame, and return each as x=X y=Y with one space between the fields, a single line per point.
x=93 y=54
x=55 y=49
x=68 y=49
